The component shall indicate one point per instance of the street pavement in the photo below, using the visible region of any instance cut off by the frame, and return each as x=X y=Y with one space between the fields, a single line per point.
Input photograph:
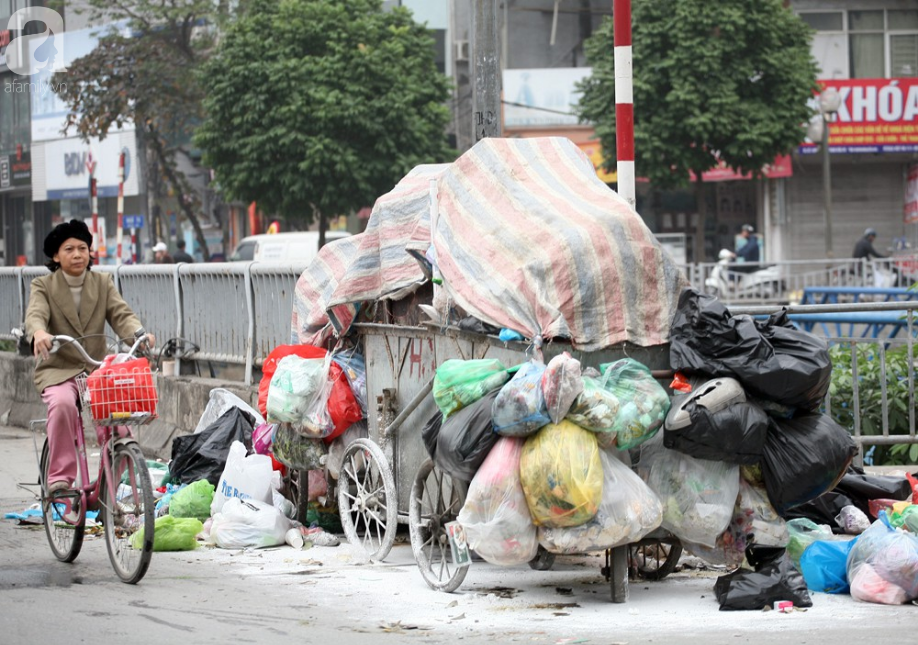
x=334 y=595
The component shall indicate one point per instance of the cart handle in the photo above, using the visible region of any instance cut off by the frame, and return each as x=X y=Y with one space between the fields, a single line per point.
x=408 y=409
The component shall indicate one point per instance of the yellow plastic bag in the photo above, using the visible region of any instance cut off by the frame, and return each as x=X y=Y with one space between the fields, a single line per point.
x=561 y=475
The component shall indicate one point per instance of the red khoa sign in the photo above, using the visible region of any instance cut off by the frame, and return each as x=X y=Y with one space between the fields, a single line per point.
x=876 y=115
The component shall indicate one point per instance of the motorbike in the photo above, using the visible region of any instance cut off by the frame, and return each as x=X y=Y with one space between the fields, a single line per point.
x=727 y=283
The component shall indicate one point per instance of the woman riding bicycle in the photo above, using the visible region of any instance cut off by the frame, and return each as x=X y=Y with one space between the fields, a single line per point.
x=76 y=302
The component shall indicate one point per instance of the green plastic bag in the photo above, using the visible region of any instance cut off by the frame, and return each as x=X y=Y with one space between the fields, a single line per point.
x=803 y=533
x=907 y=518
x=459 y=383
x=171 y=534
x=643 y=403
x=193 y=500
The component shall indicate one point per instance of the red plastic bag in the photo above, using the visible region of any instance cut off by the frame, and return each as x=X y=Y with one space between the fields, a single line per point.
x=874 y=506
x=914 y=482
x=270 y=366
x=342 y=405
x=124 y=388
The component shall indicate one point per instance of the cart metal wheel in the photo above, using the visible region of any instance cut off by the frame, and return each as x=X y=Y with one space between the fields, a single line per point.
x=436 y=498
x=366 y=499
x=655 y=560
x=543 y=561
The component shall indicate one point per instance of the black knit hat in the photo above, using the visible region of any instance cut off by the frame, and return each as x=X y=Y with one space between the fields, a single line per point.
x=63 y=232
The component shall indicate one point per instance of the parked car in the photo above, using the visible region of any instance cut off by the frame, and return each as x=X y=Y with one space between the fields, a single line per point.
x=282 y=248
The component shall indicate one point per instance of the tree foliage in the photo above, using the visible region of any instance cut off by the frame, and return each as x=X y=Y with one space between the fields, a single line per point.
x=727 y=80
x=317 y=107
x=146 y=76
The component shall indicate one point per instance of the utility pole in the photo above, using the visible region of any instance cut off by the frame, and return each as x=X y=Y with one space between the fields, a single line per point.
x=624 y=106
x=486 y=97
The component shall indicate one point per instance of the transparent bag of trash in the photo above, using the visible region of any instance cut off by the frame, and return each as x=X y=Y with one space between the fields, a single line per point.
x=629 y=510
x=496 y=519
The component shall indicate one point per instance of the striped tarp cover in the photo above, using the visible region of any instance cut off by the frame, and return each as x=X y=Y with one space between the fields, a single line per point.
x=530 y=239
x=382 y=269
x=310 y=324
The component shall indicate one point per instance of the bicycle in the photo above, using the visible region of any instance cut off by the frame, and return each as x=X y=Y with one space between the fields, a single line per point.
x=122 y=491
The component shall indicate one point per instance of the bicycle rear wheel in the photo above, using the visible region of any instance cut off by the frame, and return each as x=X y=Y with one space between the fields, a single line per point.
x=130 y=511
x=65 y=539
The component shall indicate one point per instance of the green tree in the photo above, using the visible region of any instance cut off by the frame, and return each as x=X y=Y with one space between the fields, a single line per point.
x=147 y=77
x=713 y=81
x=315 y=108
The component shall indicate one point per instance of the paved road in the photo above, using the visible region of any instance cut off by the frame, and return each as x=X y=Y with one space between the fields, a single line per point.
x=333 y=595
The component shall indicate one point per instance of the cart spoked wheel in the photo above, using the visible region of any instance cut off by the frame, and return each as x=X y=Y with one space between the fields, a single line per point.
x=543 y=561
x=366 y=499
x=653 y=561
x=436 y=498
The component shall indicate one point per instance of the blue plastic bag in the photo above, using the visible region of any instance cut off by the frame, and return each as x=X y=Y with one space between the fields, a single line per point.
x=824 y=565
x=519 y=409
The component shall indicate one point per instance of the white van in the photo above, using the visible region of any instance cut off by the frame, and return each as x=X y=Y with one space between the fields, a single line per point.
x=282 y=248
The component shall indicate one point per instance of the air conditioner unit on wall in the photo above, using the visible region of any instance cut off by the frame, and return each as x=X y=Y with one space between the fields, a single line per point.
x=461 y=49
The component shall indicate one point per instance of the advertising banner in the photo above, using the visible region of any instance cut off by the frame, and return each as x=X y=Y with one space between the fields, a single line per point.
x=877 y=115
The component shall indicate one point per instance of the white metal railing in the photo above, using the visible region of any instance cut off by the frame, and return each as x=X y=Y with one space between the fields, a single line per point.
x=231 y=312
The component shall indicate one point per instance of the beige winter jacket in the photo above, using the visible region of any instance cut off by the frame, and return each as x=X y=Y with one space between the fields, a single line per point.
x=51 y=308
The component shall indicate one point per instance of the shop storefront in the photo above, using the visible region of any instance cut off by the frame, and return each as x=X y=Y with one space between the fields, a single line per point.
x=873 y=144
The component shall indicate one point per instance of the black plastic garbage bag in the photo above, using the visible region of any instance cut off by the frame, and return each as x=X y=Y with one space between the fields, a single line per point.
x=775 y=578
x=431 y=432
x=466 y=437
x=862 y=488
x=822 y=510
x=203 y=455
x=736 y=434
x=804 y=457
x=771 y=358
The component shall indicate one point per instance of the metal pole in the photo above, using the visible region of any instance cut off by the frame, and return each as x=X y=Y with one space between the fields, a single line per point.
x=827 y=185
x=120 y=232
x=624 y=100
x=486 y=99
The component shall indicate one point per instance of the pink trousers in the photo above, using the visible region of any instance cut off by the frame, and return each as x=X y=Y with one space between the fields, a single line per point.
x=63 y=425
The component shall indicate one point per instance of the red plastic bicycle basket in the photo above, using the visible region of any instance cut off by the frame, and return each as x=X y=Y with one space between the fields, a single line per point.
x=121 y=391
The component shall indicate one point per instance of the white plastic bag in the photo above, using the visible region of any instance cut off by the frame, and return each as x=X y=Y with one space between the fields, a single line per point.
x=245 y=477
x=317 y=422
x=495 y=516
x=698 y=495
x=629 y=510
x=248 y=523
x=562 y=383
x=219 y=402
x=293 y=388
x=357 y=430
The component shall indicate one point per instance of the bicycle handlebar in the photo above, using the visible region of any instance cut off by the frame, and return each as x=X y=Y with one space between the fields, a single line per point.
x=58 y=340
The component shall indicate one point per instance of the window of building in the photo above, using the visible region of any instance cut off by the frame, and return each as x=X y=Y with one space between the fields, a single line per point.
x=869 y=43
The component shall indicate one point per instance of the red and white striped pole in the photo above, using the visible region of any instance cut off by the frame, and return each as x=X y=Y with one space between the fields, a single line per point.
x=624 y=99
x=120 y=234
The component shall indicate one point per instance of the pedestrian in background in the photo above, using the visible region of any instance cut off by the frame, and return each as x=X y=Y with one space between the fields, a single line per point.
x=863 y=249
x=749 y=252
x=161 y=254
x=181 y=255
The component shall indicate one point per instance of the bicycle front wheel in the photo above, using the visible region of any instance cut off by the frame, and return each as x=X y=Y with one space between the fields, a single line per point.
x=128 y=513
x=65 y=539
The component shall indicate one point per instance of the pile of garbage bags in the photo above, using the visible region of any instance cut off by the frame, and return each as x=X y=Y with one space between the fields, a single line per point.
x=225 y=483
x=746 y=443
x=542 y=447
x=746 y=459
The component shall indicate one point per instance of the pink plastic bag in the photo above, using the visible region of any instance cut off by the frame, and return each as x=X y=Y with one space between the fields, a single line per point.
x=262 y=438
